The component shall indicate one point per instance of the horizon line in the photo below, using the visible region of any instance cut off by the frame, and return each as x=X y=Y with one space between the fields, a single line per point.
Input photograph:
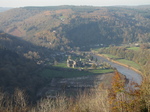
x=79 y=5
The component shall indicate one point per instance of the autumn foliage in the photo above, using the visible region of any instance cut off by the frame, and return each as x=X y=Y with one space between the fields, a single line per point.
x=117 y=83
x=126 y=98
x=119 y=98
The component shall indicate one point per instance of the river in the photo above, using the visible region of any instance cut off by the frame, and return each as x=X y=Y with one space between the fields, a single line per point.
x=129 y=73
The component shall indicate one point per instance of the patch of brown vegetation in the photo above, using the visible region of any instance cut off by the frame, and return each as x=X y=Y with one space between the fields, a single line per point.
x=63 y=11
x=17 y=33
x=47 y=13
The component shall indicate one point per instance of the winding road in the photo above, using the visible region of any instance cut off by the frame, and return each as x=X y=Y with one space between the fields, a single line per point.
x=129 y=73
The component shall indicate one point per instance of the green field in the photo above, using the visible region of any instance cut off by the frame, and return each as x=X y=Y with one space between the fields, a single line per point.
x=134 y=48
x=68 y=73
x=62 y=65
x=101 y=71
x=124 y=61
x=61 y=70
x=129 y=63
x=63 y=73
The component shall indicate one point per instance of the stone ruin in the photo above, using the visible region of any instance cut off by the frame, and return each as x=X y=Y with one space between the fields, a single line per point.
x=71 y=63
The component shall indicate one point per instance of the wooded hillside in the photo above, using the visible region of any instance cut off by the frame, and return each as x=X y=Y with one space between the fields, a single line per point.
x=63 y=27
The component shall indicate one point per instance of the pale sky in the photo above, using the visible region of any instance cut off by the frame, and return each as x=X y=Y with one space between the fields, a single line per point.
x=22 y=3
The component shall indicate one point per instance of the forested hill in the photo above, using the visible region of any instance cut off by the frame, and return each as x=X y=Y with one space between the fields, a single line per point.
x=18 y=65
x=18 y=72
x=25 y=48
x=62 y=27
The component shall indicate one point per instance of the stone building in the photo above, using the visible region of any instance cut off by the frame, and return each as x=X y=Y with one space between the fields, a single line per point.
x=73 y=64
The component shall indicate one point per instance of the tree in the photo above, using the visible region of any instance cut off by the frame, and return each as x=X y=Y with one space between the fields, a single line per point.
x=91 y=57
x=94 y=66
x=55 y=62
x=144 y=46
x=117 y=82
x=96 y=59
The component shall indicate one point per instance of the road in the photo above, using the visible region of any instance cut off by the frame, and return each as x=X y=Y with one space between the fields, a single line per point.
x=130 y=74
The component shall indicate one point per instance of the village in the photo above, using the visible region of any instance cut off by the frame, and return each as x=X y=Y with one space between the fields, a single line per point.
x=88 y=62
x=82 y=63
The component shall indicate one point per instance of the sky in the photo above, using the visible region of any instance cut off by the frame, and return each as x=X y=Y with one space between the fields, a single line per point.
x=23 y=3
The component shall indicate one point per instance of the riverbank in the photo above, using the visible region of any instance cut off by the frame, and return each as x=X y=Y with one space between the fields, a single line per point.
x=127 y=66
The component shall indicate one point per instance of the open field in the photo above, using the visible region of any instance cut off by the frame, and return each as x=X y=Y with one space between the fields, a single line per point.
x=63 y=73
x=62 y=65
x=68 y=73
x=74 y=85
x=129 y=63
x=72 y=80
x=124 y=61
x=100 y=71
x=134 y=48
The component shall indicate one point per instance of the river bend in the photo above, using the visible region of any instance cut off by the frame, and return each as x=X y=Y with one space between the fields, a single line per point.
x=129 y=73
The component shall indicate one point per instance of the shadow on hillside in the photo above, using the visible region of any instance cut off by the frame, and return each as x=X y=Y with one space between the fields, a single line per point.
x=18 y=71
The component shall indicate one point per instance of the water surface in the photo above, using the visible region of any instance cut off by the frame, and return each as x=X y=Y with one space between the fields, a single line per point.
x=129 y=73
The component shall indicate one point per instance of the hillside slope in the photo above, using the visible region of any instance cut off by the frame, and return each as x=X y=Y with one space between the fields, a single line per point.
x=63 y=27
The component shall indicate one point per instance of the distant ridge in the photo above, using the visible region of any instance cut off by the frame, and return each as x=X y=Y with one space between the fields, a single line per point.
x=2 y=9
x=65 y=27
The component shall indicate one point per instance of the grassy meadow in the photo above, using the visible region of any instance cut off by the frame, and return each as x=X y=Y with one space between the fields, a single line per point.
x=124 y=61
x=134 y=48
